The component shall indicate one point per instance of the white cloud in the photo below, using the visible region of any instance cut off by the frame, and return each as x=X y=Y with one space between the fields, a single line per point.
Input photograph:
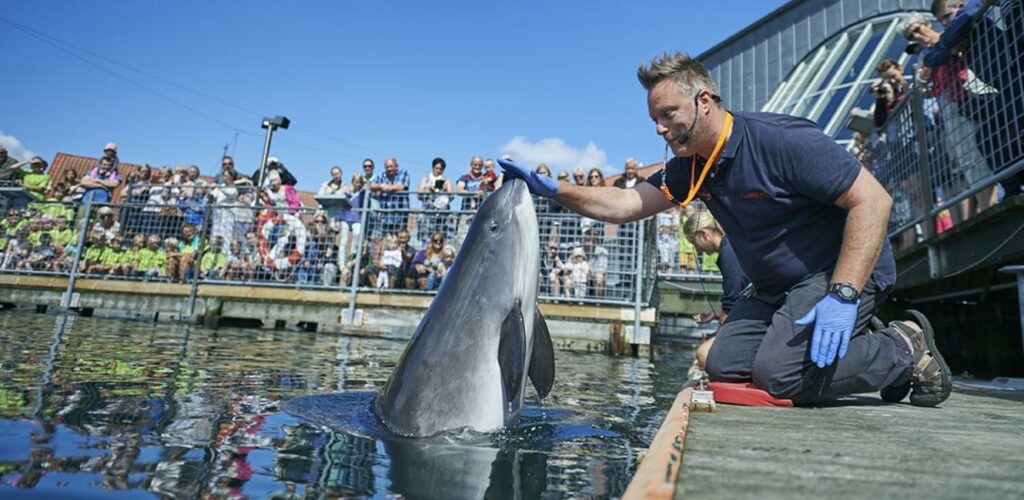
x=14 y=147
x=556 y=153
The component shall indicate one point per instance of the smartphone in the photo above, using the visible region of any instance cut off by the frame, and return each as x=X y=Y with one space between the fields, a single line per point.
x=439 y=184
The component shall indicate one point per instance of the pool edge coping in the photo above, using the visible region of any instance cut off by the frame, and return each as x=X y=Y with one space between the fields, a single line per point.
x=658 y=470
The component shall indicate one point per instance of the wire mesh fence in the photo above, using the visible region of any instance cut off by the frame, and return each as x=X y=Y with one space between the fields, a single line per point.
x=956 y=143
x=198 y=240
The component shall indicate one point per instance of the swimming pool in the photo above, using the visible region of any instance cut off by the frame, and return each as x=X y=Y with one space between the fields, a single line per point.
x=93 y=405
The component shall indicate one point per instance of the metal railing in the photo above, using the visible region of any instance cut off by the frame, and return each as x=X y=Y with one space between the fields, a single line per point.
x=958 y=138
x=369 y=249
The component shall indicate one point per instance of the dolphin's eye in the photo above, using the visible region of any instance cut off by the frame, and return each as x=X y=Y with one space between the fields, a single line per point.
x=494 y=226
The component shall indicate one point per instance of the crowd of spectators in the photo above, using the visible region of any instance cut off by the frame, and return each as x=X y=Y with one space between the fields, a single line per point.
x=177 y=225
x=968 y=73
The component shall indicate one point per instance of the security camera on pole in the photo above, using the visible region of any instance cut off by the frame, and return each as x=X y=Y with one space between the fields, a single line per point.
x=271 y=124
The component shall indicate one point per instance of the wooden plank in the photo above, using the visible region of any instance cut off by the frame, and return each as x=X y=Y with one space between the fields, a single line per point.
x=139 y=287
x=27 y=281
x=595 y=312
x=657 y=473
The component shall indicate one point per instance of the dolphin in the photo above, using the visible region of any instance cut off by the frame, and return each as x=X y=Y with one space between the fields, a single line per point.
x=467 y=363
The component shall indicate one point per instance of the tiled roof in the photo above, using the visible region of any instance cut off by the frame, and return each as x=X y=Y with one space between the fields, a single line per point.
x=81 y=165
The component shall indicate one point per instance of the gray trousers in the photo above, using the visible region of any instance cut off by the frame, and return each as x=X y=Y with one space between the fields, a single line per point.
x=760 y=342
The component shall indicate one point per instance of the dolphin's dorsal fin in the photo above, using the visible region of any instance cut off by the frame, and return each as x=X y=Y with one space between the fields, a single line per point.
x=542 y=360
x=512 y=352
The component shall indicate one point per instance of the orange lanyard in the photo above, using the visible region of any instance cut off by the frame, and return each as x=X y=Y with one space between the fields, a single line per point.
x=726 y=128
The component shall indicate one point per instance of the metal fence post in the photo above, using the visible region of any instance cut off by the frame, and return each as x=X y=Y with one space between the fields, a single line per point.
x=638 y=283
x=65 y=300
x=925 y=177
x=197 y=263
x=359 y=256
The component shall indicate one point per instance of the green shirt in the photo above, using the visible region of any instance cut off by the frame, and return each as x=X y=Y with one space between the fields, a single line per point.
x=190 y=247
x=62 y=237
x=710 y=263
x=212 y=260
x=151 y=259
x=111 y=257
x=30 y=179
x=94 y=254
x=684 y=244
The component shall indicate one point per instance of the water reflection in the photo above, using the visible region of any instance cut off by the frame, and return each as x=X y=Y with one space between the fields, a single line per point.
x=92 y=404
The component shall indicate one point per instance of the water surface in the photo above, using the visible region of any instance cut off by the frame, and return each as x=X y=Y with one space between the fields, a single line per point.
x=90 y=407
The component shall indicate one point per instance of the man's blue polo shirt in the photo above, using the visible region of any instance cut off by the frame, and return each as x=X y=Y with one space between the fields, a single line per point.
x=734 y=280
x=773 y=192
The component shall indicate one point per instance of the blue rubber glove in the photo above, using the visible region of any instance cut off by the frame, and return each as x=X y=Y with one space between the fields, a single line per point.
x=833 y=320
x=540 y=185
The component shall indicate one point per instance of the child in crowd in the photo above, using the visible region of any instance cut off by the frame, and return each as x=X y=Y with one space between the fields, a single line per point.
x=212 y=265
x=152 y=260
x=113 y=256
x=598 y=257
x=18 y=248
x=172 y=254
x=447 y=259
x=62 y=235
x=668 y=234
x=686 y=251
x=391 y=260
x=97 y=245
x=579 y=273
x=41 y=257
x=130 y=267
x=236 y=263
x=35 y=229
x=551 y=269
x=179 y=261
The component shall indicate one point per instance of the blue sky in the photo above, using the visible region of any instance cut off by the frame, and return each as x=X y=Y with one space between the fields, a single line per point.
x=540 y=80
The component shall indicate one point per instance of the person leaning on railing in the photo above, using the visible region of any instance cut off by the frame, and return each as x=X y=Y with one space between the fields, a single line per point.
x=391 y=188
x=233 y=215
x=995 y=52
x=946 y=83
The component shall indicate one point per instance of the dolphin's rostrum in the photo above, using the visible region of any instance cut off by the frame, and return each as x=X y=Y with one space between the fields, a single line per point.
x=467 y=363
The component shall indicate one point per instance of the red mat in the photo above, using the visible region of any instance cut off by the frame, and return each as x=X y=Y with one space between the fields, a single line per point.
x=744 y=394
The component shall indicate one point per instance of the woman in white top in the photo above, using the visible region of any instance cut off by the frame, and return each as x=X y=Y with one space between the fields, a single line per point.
x=231 y=216
x=435 y=192
x=333 y=186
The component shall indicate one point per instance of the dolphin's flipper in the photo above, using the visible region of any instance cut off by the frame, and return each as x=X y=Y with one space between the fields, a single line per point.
x=542 y=360
x=512 y=352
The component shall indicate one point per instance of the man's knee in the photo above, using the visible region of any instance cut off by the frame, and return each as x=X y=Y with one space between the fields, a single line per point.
x=702 y=353
x=717 y=363
x=770 y=378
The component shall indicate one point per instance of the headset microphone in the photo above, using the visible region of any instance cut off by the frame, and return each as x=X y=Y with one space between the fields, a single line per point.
x=685 y=136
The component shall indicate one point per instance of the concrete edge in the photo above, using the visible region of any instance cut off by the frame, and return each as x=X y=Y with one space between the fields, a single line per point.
x=656 y=475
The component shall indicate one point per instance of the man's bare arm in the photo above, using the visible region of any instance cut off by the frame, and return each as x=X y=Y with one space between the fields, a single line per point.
x=612 y=204
x=867 y=207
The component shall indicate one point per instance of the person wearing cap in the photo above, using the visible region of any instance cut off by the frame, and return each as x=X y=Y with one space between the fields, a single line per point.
x=274 y=165
x=31 y=175
x=808 y=225
x=947 y=86
x=110 y=152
